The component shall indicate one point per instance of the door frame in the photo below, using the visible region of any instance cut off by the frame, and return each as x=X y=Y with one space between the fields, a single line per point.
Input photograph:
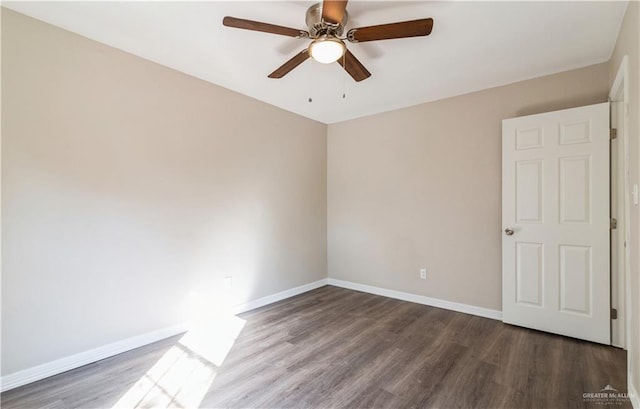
x=620 y=93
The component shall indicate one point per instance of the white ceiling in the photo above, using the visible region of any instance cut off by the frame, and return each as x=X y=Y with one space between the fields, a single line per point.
x=473 y=46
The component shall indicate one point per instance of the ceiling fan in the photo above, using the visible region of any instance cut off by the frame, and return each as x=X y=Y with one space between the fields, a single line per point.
x=326 y=22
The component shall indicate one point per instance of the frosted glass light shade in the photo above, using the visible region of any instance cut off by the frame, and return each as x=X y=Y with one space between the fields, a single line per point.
x=326 y=49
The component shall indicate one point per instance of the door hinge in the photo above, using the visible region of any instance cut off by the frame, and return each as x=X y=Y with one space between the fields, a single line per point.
x=614 y=224
x=613 y=133
x=614 y=314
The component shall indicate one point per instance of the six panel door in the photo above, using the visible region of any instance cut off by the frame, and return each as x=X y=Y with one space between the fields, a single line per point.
x=555 y=214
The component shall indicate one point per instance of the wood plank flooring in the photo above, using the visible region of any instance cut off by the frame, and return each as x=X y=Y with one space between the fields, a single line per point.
x=338 y=348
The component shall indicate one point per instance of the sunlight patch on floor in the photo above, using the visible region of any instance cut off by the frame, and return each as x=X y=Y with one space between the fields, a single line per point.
x=214 y=342
x=184 y=374
x=179 y=379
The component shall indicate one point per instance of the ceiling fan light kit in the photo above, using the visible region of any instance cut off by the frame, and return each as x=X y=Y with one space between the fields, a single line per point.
x=326 y=22
x=327 y=50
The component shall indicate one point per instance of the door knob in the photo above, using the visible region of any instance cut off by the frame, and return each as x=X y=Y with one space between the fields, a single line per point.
x=508 y=231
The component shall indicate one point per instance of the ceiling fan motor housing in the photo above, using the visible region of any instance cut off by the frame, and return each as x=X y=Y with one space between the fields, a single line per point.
x=318 y=27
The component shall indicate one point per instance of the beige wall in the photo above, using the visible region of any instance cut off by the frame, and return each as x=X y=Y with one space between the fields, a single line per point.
x=421 y=187
x=127 y=185
x=628 y=43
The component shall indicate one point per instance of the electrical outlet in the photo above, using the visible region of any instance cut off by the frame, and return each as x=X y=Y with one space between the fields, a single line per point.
x=423 y=273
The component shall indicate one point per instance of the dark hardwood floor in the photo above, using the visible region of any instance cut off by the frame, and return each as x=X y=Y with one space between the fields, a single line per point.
x=333 y=347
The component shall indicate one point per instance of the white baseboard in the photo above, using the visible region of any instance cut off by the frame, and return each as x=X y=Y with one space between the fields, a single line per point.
x=419 y=299
x=67 y=363
x=270 y=299
x=633 y=396
x=48 y=369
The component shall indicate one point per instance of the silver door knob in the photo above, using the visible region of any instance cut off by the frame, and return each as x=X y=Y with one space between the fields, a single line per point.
x=508 y=231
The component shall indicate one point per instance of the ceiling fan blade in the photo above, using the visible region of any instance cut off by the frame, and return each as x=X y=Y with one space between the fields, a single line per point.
x=333 y=11
x=413 y=28
x=290 y=65
x=354 y=67
x=263 y=27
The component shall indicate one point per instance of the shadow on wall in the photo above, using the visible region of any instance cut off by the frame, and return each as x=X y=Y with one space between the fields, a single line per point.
x=558 y=105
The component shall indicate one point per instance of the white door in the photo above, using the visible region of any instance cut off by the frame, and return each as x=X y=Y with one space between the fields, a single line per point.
x=555 y=221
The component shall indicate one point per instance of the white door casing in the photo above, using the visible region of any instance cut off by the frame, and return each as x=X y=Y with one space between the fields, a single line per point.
x=622 y=198
x=555 y=200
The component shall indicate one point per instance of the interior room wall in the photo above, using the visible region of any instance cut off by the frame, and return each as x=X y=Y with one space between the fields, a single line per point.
x=129 y=189
x=421 y=187
x=628 y=44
